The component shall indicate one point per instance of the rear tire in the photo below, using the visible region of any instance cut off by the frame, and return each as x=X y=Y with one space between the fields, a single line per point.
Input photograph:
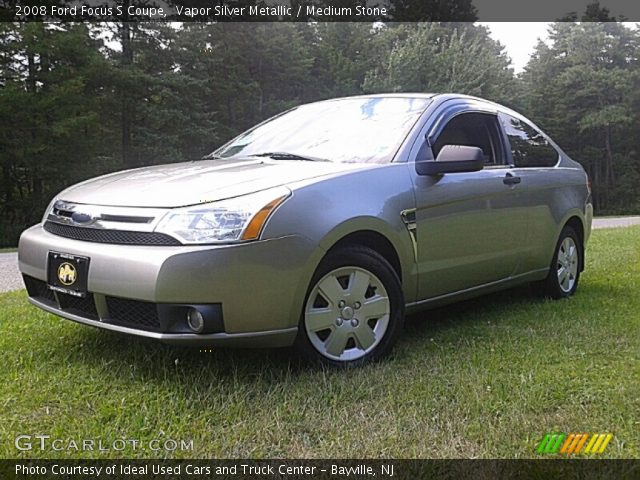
x=564 y=272
x=353 y=311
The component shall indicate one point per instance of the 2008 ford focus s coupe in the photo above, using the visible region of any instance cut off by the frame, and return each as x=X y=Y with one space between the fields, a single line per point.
x=318 y=228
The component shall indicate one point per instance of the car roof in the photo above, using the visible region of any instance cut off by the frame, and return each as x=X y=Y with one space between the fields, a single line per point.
x=439 y=97
x=383 y=95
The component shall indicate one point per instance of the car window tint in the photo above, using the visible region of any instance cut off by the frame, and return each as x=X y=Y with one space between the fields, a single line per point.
x=528 y=146
x=472 y=130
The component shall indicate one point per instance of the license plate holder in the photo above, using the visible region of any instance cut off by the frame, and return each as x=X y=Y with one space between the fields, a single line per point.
x=68 y=273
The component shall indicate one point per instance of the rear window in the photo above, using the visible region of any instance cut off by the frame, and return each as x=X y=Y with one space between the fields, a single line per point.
x=528 y=146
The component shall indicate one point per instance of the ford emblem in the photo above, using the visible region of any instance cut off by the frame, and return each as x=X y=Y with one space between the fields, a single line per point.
x=82 y=218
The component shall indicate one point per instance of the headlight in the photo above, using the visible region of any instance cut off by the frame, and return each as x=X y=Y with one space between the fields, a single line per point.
x=239 y=218
x=48 y=210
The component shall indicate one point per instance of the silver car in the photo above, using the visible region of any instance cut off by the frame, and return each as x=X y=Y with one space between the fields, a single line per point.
x=318 y=228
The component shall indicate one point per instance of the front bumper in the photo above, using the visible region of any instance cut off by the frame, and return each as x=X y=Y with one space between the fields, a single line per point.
x=269 y=338
x=258 y=286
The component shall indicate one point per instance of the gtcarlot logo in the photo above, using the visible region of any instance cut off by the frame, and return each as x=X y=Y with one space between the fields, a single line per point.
x=26 y=443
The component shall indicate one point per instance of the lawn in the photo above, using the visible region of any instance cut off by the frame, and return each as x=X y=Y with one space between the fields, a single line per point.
x=484 y=378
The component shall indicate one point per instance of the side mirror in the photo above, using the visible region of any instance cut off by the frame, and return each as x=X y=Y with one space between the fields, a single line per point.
x=453 y=159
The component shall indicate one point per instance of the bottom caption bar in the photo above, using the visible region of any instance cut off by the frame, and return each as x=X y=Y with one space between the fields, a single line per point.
x=315 y=469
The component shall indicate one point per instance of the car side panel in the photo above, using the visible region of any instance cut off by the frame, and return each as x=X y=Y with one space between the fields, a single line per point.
x=470 y=231
x=554 y=195
x=547 y=200
x=370 y=199
x=471 y=226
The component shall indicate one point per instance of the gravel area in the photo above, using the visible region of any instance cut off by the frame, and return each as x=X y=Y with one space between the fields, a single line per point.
x=615 y=222
x=11 y=280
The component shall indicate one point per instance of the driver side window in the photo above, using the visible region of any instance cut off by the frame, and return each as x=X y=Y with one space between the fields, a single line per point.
x=473 y=130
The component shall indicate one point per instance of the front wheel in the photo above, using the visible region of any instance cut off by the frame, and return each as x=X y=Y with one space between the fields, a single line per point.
x=354 y=309
x=564 y=273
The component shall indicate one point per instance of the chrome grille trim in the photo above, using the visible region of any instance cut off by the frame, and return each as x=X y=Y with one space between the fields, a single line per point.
x=102 y=217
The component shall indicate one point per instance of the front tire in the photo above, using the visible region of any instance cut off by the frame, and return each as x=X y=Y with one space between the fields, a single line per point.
x=564 y=273
x=354 y=309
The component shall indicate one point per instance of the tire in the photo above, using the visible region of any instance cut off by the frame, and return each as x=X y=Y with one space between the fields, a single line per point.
x=564 y=273
x=354 y=309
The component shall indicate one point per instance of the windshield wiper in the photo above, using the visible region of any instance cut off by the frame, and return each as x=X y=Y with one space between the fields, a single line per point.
x=210 y=156
x=288 y=156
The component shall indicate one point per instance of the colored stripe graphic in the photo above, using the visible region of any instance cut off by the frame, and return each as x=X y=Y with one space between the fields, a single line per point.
x=581 y=443
x=551 y=443
x=606 y=442
x=598 y=443
x=574 y=443
x=543 y=444
x=567 y=443
x=558 y=443
x=594 y=437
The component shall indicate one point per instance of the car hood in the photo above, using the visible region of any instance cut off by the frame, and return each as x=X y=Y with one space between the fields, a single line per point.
x=191 y=183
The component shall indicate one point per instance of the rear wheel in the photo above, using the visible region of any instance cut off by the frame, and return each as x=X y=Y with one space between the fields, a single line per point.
x=564 y=273
x=354 y=309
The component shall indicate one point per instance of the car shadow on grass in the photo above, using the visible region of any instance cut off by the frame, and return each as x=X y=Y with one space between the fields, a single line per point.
x=521 y=307
x=456 y=315
x=148 y=358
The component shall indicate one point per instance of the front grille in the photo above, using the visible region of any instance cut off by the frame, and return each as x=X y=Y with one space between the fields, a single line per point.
x=85 y=307
x=128 y=313
x=133 y=313
x=117 y=237
x=38 y=289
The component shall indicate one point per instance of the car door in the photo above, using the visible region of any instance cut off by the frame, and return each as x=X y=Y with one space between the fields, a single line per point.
x=534 y=160
x=470 y=226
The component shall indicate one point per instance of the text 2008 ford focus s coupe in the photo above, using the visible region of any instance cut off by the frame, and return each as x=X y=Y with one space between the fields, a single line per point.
x=318 y=228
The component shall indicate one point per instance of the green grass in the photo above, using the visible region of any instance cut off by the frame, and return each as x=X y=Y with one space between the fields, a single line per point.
x=484 y=378
x=8 y=249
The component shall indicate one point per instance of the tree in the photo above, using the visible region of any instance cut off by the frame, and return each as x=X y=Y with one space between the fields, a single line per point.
x=435 y=57
x=49 y=130
x=582 y=90
x=243 y=72
x=342 y=53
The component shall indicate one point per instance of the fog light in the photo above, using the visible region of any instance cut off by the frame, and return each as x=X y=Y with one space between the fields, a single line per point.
x=195 y=320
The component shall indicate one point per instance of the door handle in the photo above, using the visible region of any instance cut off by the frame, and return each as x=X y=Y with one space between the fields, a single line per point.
x=510 y=179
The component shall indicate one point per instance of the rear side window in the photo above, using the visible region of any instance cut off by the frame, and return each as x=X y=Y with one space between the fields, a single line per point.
x=528 y=146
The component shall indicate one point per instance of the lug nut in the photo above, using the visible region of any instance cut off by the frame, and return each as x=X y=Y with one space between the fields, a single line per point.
x=341 y=304
x=339 y=322
x=354 y=322
x=357 y=305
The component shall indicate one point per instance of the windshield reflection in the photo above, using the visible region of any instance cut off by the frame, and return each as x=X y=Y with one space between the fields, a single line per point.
x=353 y=130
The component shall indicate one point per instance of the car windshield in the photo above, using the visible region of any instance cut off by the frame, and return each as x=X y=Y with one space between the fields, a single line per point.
x=353 y=130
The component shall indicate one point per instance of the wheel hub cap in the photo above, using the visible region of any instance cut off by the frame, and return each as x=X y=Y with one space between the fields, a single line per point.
x=567 y=265
x=347 y=313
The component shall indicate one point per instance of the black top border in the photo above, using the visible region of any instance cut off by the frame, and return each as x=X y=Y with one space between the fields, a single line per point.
x=317 y=10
